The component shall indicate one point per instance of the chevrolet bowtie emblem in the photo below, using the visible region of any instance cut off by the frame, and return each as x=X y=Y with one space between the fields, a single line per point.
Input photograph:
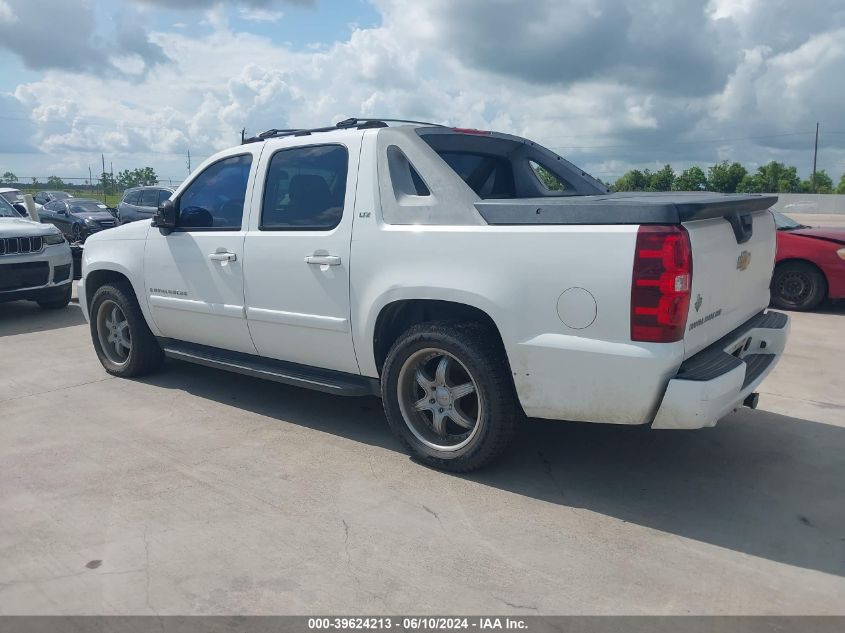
x=743 y=260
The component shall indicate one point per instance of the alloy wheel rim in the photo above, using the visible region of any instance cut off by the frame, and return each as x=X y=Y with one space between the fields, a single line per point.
x=439 y=399
x=113 y=332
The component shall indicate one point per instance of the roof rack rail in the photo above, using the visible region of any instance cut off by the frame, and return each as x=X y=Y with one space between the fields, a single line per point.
x=360 y=123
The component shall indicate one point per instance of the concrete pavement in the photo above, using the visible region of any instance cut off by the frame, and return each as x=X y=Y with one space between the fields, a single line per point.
x=196 y=491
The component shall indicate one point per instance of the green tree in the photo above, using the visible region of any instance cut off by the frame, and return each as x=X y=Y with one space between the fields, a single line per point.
x=773 y=177
x=107 y=182
x=749 y=184
x=54 y=181
x=777 y=177
x=662 y=179
x=841 y=187
x=691 y=179
x=137 y=177
x=633 y=180
x=824 y=183
x=9 y=178
x=724 y=177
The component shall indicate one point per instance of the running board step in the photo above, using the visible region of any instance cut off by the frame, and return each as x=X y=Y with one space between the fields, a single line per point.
x=325 y=380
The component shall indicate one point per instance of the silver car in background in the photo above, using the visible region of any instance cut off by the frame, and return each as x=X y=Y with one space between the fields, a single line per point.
x=140 y=203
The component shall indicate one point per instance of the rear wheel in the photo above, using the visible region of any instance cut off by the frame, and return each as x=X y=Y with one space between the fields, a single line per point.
x=123 y=341
x=798 y=286
x=448 y=395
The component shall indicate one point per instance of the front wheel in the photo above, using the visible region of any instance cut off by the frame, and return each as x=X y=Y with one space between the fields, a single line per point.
x=123 y=341
x=448 y=395
x=798 y=286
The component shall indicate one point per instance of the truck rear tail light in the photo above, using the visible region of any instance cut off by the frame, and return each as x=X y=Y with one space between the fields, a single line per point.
x=660 y=284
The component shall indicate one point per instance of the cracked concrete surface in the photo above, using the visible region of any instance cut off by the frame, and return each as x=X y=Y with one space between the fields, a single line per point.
x=204 y=492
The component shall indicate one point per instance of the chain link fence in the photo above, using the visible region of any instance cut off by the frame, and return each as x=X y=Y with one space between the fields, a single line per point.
x=109 y=193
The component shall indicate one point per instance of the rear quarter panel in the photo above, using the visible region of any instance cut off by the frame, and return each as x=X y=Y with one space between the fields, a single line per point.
x=516 y=275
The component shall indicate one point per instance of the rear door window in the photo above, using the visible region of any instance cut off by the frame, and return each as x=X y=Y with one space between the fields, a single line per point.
x=305 y=188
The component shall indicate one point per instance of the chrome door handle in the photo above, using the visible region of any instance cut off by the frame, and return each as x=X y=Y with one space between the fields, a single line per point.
x=323 y=260
x=223 y=257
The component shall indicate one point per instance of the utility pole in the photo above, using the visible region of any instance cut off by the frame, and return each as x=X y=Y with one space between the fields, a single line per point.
x=89 y=176
x=243 y=135
x=103 y=177
x=189 y=161
x=815 y=156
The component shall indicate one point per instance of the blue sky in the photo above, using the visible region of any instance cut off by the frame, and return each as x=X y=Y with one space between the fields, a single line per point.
x=611 y=84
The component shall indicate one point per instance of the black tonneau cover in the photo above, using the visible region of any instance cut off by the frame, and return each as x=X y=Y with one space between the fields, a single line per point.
x=623 y=208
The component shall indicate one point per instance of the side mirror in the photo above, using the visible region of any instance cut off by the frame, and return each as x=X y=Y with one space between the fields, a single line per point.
x=165 y=217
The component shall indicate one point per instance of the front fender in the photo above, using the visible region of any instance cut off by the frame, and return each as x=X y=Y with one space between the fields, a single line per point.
x=122 y=256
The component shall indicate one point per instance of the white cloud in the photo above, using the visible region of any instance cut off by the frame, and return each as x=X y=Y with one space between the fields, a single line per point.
x=256 y=14
x=7 y=16
x=431 y=61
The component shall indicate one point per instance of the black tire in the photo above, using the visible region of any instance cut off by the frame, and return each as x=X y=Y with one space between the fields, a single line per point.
x=481 y=360
x=798 y=285
x=145 y=355
x=56 y=300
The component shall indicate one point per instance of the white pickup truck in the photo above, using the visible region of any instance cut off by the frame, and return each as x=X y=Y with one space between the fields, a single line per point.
x=469 y=278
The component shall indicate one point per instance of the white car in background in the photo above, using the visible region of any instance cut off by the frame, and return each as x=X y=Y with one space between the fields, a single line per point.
x=15 y=196
x=35 y=260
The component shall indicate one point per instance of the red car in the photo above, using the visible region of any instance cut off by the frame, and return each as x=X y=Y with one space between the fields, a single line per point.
x=809 y=266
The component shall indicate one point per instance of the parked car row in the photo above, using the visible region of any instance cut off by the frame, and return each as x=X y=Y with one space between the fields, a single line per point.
x=78 y=218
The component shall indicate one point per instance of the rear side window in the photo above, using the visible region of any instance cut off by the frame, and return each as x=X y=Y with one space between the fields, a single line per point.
x=215 y=199
x=132 y=197
x=305 y=188
x=149 y=198
x=487 y=175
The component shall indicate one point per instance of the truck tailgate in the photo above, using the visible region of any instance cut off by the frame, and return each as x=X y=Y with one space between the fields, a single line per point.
x=731 y=272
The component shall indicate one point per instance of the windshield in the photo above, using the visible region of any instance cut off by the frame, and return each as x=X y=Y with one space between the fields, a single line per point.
x=784 y=223
x=12 y=196
x=7 y=210
x=87 y=207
